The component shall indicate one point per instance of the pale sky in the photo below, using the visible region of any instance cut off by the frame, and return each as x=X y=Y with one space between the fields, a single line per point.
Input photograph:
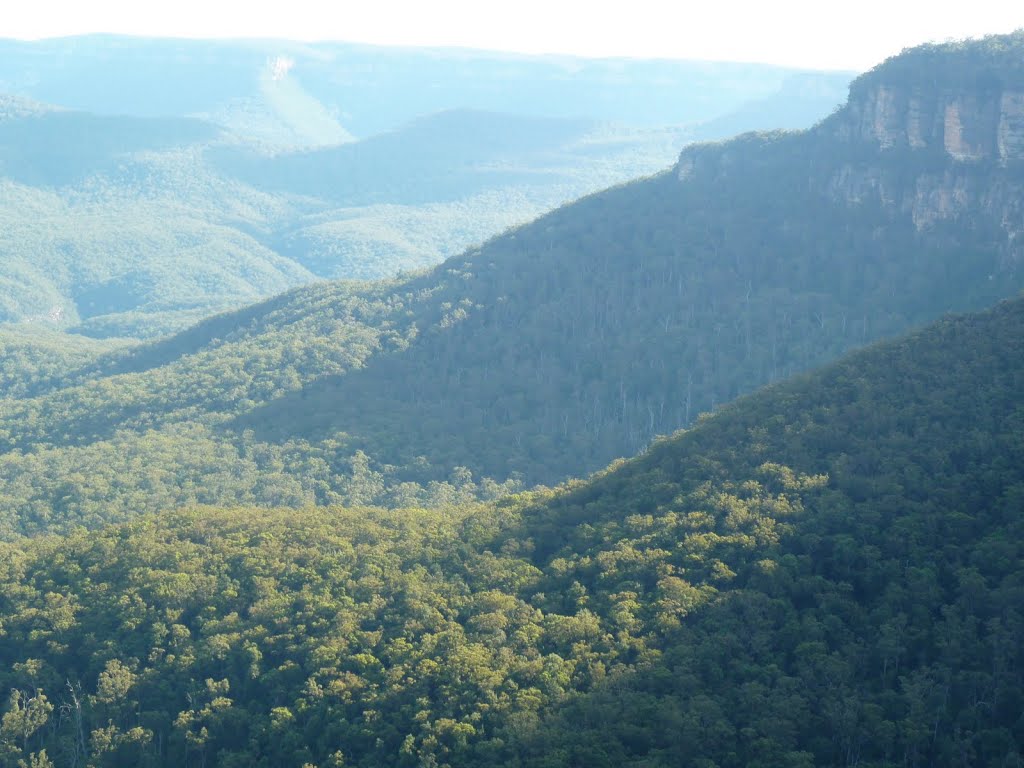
x=812 y=33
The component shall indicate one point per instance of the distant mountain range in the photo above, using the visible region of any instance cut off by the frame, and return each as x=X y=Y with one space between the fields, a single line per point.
x=177 y=179
x=292 y=93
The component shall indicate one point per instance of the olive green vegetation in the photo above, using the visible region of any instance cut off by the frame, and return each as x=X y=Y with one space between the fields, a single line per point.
x=545 y=353
x=113 y=437
x=827 y=573
x=35 y=359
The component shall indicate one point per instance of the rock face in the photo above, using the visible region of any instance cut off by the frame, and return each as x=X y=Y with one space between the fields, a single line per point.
x=945 y=129
x=927 y=139
x=1010 y=134
x=966 y=126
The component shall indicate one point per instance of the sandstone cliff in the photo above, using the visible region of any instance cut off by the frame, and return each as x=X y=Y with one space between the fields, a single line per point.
x=933 y=136
x=965 y=125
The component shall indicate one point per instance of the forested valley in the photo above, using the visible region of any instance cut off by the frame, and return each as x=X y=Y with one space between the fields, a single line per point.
x=719 y=467
x=828 y=572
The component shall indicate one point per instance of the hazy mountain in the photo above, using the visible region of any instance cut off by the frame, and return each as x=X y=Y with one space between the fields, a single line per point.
x=139 y=226
x=801 y=101
x=57 y=148
x=423 y=162
x=826 y=573
x=227 y=172
x=307 y=94
x=141 y=251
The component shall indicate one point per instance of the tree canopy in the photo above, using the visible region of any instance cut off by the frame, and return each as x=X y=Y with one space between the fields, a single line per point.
x=825 y=573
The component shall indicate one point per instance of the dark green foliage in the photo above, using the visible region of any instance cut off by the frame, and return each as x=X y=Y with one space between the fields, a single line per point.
x=828 y=573
x=980 y=66
x=578 y=338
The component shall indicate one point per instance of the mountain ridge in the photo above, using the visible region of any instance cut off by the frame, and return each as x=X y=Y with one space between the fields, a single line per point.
x=940 y=237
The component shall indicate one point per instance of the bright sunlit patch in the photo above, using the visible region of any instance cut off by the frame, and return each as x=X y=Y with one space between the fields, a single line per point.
x=280 y=67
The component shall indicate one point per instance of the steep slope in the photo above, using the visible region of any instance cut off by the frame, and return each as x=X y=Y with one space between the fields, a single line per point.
x=583 y=335
x=826 y=573
x=834 y=566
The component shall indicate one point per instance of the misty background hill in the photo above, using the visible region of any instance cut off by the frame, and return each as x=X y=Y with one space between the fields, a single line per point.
x=150 y=183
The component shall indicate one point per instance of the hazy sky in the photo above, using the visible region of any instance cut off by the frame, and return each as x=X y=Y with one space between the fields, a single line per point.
x=854 y=34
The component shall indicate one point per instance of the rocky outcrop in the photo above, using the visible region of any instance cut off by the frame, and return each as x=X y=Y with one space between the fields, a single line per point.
x=928 y=139
x=985 y=199
x=966 y=126
x=882 y=118
x=917 y=122
x=1010 y=134
x=960 y=127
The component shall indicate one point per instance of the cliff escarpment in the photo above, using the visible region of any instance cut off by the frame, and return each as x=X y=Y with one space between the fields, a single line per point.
x=980 y=125
x=933 y=137
x=964 y=100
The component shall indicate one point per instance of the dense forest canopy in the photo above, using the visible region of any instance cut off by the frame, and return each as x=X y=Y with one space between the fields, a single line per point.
x=995 y=60
x=308 y=532
x=825 y=573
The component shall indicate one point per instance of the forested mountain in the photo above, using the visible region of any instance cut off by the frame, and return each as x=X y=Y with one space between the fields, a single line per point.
x=35 y=359
x=583 y=335
x=176 y=200
x=826 y=573
x=57 y=148
x=459 y=141
x=555 y=348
